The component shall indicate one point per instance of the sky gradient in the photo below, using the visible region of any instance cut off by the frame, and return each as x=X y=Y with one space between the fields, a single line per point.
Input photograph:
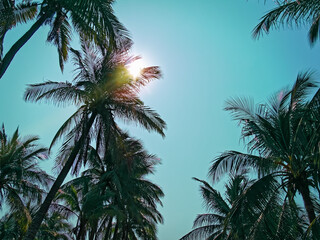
x=206 y=54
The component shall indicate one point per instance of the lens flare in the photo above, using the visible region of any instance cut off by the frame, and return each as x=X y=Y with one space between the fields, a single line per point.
x=135 y=68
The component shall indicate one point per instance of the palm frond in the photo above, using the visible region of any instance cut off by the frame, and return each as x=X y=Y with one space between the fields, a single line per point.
x=147 y=117
x=73 y=119
x=95 y=20
x=60 y=36
x=24 y=12
x=234 y=162
x=203 y=232
x=213 y=199
x=291 y=13
x=304 y=84
x=242 y=109
x=57 y=92
x=207 y=219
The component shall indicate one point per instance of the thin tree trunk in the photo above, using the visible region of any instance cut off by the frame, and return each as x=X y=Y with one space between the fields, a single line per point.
x=94 y=229
x=106 y=236
x=38 y=218
x=16 y=47
x=125 y=232
x=81 y=233
x=115 y=234
x=92 y=233
x=305 y=192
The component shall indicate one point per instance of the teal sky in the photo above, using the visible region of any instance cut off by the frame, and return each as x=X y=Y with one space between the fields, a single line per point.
x=207 y=55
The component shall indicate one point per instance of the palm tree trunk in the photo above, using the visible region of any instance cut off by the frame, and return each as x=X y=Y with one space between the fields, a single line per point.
x=93 y=230
x=305 y=192
x=107 y=234
x=37 y=220
x=16 y=47
x=81 y=233
x=115 y=234
x=92 y=233
x=125 y=232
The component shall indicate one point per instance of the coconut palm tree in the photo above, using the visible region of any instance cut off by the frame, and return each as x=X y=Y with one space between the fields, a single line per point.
x=131 y=193
x=21 y=179
x=69 y=201
x=92 y=20
x=249 y=210
x=10 y=228
x=263 y=212
x=12 y=14
x=215 y=225
x=102 y=90
x=300 y=13
x=117 y=202
x=282 y=138
x=55 y=227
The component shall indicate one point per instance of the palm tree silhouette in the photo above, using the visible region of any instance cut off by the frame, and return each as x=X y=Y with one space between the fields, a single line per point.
x=215 y=225
x=282 y=138
x=102 y=90
x=112 y=199
x=21 y=179
x=92 y=20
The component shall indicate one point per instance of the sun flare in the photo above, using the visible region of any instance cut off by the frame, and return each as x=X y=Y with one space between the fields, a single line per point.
x=135 y=68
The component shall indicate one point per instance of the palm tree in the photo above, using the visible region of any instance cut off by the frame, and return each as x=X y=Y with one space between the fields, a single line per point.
x=92 y=20
x=69 y=201
x=262 y=212
x=55 y=227
x=10 y=228
x=102 y=89
x=131 y=193
x=283 y=140
x=249 y=210
x=300 y=13
x=21 y=179
x=214 y=225
x=112 y=199
x=12 y=13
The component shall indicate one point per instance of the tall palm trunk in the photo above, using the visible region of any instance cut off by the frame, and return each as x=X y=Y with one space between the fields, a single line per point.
x=305 y=192
x=38 y=218
x=4 y=64
x=308 y=204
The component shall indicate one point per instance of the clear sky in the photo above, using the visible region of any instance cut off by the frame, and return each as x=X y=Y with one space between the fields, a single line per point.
x=207 y=55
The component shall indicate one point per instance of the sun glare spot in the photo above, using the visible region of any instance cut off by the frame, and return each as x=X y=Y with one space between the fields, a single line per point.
x=135 y=68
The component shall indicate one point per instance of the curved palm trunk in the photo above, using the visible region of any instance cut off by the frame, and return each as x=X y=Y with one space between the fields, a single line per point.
x=38 y=218
x=16 y=47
